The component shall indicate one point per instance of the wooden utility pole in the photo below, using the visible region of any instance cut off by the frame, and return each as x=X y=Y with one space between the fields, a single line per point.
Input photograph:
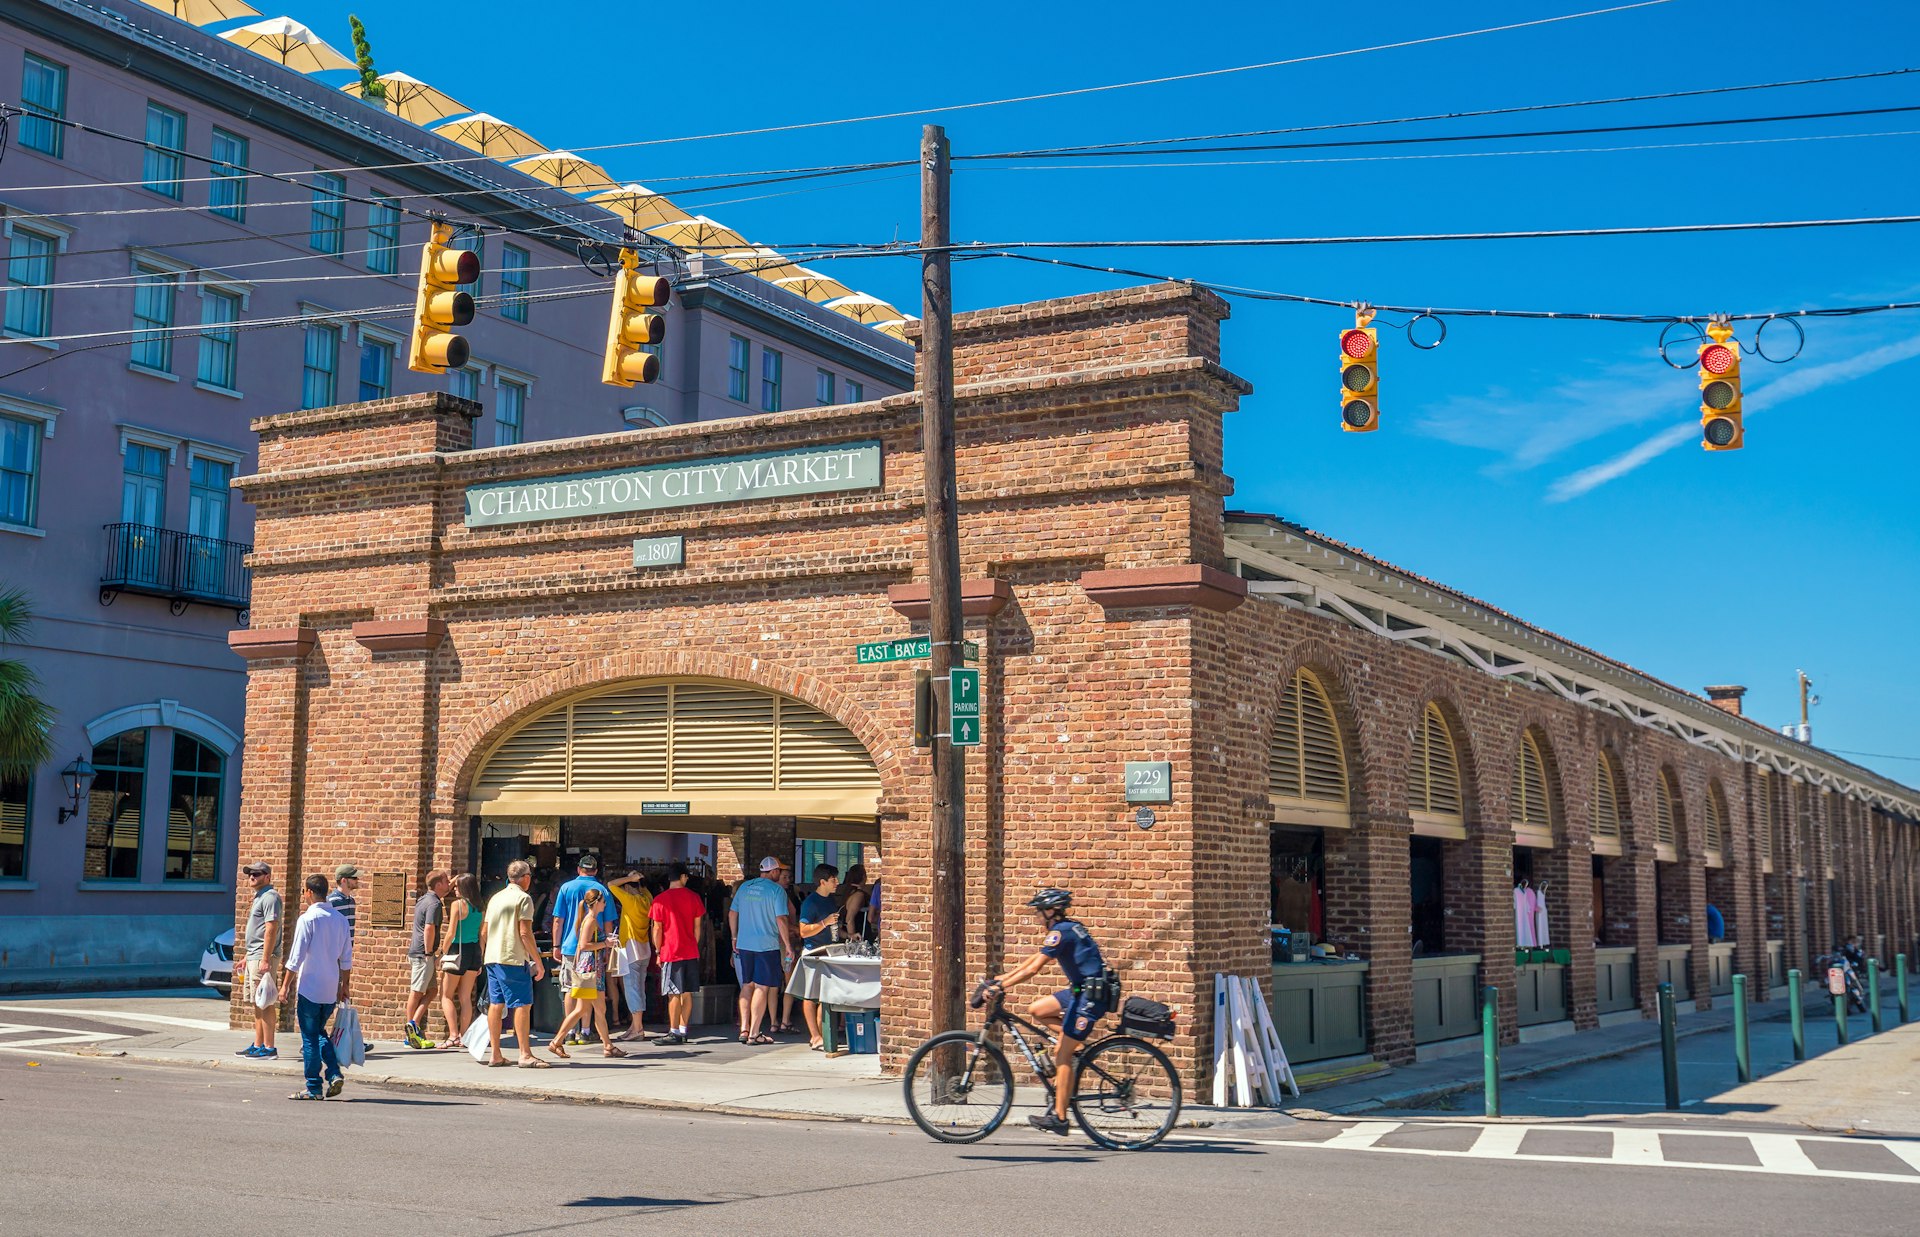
x=949 y=814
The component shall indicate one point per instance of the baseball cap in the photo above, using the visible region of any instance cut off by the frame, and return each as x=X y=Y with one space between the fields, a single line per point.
x=588 y=863
x=258 y=869
x=770 y=864
x=346 y=872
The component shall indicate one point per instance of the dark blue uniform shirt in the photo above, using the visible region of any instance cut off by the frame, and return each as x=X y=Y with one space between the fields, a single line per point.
x=1070 y=944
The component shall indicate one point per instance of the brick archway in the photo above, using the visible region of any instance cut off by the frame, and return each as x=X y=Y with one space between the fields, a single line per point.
x=461 y=759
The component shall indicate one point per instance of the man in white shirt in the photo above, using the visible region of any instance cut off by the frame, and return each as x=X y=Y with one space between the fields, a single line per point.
x=320 y=970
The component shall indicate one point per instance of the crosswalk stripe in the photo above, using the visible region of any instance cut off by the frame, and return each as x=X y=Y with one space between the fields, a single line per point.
x=1782 y=1153
x=1498 y=1140
x=1637 y=1147
x=1909 y=1153
x=1363 y=1135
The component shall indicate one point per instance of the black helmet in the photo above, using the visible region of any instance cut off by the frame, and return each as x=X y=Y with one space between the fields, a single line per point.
x=1051 y=899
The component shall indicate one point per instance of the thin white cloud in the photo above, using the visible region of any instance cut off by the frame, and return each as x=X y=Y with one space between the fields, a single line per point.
x=1530 y=430
x=1775 y=393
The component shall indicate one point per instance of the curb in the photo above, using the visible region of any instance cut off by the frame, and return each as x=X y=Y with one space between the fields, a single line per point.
x=498 y=1090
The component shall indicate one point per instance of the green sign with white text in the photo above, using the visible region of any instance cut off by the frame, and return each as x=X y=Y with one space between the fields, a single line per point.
x=907 y=648
x=963 y=706
x=652 y=487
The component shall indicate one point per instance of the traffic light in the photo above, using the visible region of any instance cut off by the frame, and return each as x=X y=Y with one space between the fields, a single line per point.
x=631 y=327
x=1360 y=376
x=441 y=305
x=1720 y=412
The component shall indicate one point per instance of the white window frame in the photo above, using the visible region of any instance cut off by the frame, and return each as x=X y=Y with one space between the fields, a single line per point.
x=61 y=233
x=158 y=439
x=47 y=415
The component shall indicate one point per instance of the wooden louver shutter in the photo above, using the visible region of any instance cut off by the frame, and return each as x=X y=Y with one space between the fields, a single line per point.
x=533 y=757
x=722 y=737
x=1763 y=811
x=816 y=750
x=620 y=741
x=1531 y=810
x=1716 y=823
x=1606 y=800
x=1435 y=784
x=1305 y=759
x=1663 y=826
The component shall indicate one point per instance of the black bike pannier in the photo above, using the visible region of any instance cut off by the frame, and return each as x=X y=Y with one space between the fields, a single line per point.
x=1139 y=1016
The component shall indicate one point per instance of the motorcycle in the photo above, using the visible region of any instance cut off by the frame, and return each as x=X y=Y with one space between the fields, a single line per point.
x=1856 y=988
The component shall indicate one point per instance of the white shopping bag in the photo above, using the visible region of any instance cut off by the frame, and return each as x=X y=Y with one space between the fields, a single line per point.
x=265 y=992
x=478 y=1040
x=348 y=1045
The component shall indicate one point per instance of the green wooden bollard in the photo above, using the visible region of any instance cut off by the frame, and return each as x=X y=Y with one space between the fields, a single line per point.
x=1873 y=992
x=1900 y=983
x=1490 y=1045
x=1840 y=1018
x=1669 y=1048
x=1742 y=1053
x=1797 y=1014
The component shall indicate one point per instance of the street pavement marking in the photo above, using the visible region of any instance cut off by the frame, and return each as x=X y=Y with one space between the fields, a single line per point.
x=56 y=1037
x=116 y=1015
x=1362 y=1136
x=1775 y=1154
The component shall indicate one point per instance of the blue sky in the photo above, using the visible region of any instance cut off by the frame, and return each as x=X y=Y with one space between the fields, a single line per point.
x=1549 y=467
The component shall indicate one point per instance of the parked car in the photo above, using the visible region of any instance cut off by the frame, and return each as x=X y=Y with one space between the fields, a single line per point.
x=216 y=964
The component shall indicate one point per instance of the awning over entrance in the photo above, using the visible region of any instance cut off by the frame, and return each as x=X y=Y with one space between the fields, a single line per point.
x=684 y=747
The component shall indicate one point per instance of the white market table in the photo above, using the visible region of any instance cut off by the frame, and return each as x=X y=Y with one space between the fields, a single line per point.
x=841 y=982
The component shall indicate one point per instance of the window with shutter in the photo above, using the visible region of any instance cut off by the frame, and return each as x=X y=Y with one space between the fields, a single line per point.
x=1433 y=784
x=1763 y=816
x=1714 y=830
x=1665 y=822
x=1531 y=805
x=1306 y=762
x=723 y=748
x=1606 y=806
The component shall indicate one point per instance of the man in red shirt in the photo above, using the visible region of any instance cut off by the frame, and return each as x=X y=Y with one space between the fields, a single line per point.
x=679 y=924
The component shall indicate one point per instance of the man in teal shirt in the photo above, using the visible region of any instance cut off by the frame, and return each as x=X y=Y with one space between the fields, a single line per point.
x=761 y=920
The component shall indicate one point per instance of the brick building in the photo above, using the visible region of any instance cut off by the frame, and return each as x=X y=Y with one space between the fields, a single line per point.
x=454 y=652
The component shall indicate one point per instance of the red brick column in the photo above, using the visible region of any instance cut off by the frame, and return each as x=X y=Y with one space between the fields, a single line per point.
x=1369 y=909
x=271 y=816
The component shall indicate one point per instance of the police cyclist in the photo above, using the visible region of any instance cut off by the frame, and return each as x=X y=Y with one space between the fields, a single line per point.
x=1072 y=1012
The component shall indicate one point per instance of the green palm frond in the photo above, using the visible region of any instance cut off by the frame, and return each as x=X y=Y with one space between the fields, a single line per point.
x=25 y=719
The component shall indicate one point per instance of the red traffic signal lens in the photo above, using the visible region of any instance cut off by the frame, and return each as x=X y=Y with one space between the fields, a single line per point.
x=1357 y=413
x=1357 y=343
x=1717 y=358
x=1720 y=431
x=1718 y=394
x=1357 y=378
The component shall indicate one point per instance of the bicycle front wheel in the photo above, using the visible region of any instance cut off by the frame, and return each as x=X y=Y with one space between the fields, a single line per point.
x=1126 y=1095
x=958 y=1088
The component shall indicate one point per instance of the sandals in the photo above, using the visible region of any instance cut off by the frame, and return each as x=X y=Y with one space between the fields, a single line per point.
x=610 y=1051
x=557 y=1050
x=760 y=1039
x=535 y=1063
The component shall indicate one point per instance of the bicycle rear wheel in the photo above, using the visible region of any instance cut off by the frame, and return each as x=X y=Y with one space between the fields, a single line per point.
x=958 y=1089
x=1126 y=1095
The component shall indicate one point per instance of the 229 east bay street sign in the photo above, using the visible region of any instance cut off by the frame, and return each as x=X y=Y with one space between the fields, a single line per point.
x=735 y=478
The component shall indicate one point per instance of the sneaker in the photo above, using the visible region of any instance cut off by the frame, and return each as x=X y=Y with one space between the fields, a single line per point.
x=673 y=1039
x=339 y=1084
x=577 y=1040
x=413 y=1037
x=267 y=1054
x=251 y=1051
x=1047 y=1123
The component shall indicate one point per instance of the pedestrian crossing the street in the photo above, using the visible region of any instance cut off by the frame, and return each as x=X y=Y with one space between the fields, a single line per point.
x=1785 y=1154
x=28 y=1037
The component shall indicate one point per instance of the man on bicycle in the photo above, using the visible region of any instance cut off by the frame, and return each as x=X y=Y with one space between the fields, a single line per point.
x=1072 y=1012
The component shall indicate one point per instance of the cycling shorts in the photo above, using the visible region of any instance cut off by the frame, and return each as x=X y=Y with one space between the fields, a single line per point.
x=1078 y=1015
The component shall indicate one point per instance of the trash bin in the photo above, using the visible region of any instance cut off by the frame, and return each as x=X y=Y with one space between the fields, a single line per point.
x=549 y=1005
x=863 y=1031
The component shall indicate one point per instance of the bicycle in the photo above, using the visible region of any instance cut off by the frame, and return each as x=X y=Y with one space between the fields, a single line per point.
x=1125 y=1094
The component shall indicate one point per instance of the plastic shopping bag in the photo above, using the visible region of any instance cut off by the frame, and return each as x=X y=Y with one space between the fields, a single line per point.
x=348 y=1045
x=478 y=1040
x=266 y=993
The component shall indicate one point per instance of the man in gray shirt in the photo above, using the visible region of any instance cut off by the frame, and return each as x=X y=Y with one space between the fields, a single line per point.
x=423 y=957
x=262 y=943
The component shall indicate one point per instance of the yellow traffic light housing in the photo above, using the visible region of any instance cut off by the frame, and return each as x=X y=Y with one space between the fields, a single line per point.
x=1721 y=427
x=631 y=327
x=1360 y=376
x=441 y=306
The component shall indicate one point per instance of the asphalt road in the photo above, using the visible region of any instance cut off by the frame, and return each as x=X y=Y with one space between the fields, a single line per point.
x=152 y=1150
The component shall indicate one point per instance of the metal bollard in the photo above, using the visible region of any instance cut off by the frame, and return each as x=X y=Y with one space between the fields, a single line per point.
x=1797 y=1013
x=1490 y=1045
x=1873 y=992
x=1669 y=1050
x=1900 y=983
x=1840 y=1018
x=1742 y=1052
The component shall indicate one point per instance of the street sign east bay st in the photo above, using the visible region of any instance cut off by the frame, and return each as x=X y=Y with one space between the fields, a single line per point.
x=907 y=648
x=963 y=706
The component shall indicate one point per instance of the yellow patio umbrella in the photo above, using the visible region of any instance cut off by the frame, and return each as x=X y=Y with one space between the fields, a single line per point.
x=204 y=12
x=813 y=285
x=640 y=206
x=565 y=170
x=490 y=136
x=409 y=98
x=896 y=327
x=864 y=309
x=700 y=234
x=289 y=42
x=761 y=261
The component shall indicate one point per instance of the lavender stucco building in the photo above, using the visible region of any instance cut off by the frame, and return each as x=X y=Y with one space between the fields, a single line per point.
x=152 y=307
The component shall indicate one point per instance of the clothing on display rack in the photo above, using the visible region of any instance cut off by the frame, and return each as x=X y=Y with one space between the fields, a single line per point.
x=1523 y=916
x=1541 y=934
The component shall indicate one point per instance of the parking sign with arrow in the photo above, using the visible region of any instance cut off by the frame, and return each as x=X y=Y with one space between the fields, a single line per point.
x=963 y=706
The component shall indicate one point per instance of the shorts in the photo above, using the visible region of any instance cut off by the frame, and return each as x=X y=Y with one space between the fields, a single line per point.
x=509 y=986
x=568 y=978
x=421 y=971
x=255 y=966
x=470 y=957
x=758 y=967
x=680 y=978
x=1077 y=1014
